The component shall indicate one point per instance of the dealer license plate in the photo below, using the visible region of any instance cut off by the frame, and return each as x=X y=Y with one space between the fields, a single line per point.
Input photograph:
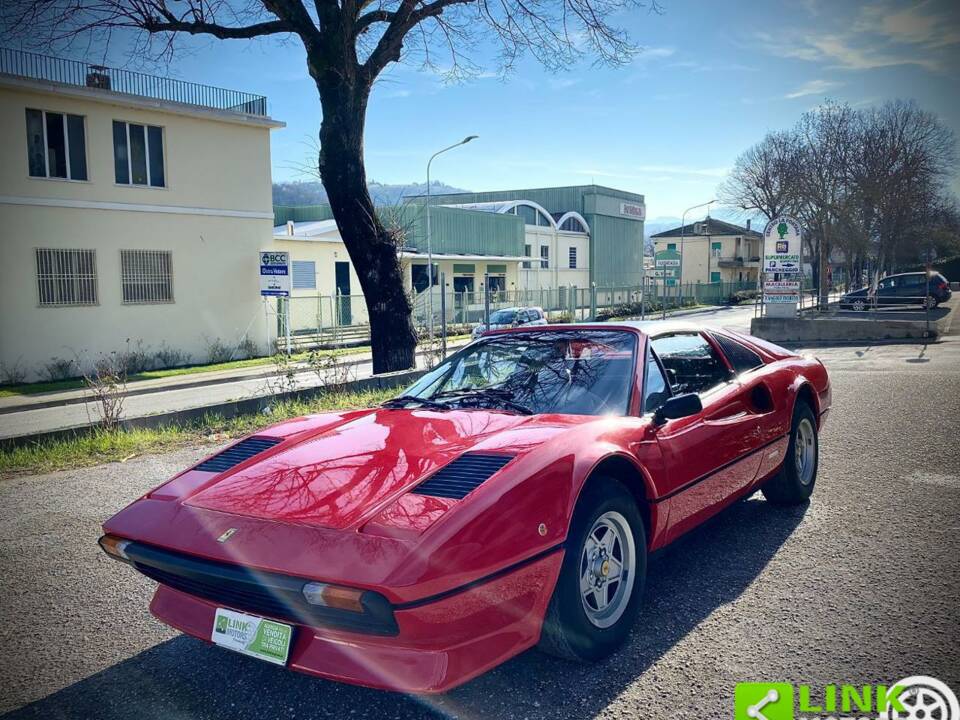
x=252 y=635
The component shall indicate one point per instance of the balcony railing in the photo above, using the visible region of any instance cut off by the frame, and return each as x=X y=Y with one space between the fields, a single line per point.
x=71 y=72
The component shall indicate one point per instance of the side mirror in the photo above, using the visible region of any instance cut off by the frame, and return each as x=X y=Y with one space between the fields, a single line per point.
x=679 y=406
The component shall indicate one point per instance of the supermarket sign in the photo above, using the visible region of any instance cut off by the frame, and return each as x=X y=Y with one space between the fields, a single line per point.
x=781 y=246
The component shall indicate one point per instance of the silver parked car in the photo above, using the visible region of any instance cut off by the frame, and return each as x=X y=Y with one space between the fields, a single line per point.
x=511 y=317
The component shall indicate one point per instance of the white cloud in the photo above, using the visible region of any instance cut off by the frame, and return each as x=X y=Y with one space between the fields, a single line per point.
x=812 y=87
x=881 y=35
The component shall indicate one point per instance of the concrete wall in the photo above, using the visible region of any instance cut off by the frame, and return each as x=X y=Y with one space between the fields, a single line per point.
x=213 y=216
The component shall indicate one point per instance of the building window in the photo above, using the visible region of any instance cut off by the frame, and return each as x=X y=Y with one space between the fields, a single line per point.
x=573 y=258
x=715 y=249
x=66 y=277
x=671 y=246
x=544 y=256
x=138 y=154
x=56 y=145
x=304 y=275
x=419 y=279
x=146 y=276
x=526 y=253
x=714 y=277
x=543 y=220
x=571 y=224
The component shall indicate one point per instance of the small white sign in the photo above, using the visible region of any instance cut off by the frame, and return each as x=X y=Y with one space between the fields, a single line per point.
x=781 y=246
x=633 y=210
x=668 y=262
x=251 y=635
x=780 y=299
x=274 y=273
x=781 y=287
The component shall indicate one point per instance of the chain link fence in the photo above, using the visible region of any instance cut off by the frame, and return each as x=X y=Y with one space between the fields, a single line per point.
x=342 y=320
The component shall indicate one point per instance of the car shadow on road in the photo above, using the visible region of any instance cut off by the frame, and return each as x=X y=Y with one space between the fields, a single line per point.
x=186 y=678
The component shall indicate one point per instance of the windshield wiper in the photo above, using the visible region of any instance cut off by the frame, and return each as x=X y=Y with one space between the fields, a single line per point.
x=501 y=396
x=401 y=401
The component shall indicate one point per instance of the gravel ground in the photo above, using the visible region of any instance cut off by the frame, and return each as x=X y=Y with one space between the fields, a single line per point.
x=861 y=586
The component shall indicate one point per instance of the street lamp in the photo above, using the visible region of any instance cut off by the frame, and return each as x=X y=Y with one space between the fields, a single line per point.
x=683 y=219
x=429 y=246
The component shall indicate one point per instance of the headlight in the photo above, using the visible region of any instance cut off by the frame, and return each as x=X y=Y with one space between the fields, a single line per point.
x=333 y=596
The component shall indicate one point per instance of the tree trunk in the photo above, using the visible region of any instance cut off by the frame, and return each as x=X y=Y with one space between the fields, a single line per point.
x=372 y=248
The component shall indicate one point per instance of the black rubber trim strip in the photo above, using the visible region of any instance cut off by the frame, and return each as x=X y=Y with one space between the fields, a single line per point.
x=474 y=583
x=705 y=476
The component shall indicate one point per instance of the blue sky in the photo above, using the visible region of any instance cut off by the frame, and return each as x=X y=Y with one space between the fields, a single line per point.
x=712 y=79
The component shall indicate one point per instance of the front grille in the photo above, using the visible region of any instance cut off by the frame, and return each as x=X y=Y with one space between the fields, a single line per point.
x=463 y=475
x=236 y=454
x=260 y=593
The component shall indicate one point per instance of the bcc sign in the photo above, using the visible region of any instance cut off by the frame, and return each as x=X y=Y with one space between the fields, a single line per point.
x=274 y=273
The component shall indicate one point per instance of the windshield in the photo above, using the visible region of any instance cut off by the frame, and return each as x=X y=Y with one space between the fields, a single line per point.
x=570 y=372
x=503 y=317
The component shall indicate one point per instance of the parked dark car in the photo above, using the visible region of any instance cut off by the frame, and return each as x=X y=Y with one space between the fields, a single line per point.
x=916 y=288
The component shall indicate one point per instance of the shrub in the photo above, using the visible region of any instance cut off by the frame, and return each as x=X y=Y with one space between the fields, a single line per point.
x=134 y=359
x=60 y=369
x=14 y=373
x=217 y=351
x=168 y=357
x=247 y=348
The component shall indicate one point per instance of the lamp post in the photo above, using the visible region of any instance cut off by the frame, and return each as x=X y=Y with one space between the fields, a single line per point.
x=683 y=219
x=429 y=246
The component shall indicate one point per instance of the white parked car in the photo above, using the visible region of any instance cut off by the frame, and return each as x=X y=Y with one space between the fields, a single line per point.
x=511 y=317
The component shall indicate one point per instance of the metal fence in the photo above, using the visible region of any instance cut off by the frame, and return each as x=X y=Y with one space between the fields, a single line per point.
x=343 y=320
x=81 y=74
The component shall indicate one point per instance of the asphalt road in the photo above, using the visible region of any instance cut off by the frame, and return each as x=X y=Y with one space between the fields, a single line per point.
x=860 y=586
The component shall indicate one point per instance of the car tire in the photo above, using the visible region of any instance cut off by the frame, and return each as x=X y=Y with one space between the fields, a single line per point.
x=858 y=305
x=578 y=628
x=793 y=484
x=930 y=303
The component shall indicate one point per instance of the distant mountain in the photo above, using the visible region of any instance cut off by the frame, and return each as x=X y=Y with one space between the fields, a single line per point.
x=312 y=192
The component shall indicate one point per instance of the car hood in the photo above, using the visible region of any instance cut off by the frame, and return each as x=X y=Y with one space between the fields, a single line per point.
x=343 y=474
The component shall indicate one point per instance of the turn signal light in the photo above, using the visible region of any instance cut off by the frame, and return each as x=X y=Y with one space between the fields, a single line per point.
x=115 y=547
x=333 y=596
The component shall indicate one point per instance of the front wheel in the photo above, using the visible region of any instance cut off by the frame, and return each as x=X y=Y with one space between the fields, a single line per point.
x=598 y=592
x=794 y=483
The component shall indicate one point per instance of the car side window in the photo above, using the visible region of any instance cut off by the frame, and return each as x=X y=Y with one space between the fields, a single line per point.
x=523 y=317
x=691 y=363
x=740 y=356
x=655 y=388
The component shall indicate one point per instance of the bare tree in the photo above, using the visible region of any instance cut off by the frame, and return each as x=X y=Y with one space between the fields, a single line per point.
x=348 y=45
x=761 y=178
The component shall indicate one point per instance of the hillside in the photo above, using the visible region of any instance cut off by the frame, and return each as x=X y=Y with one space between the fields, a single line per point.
x=312 y=192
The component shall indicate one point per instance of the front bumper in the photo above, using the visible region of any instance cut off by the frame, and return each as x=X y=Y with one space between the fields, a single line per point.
x=440 y=643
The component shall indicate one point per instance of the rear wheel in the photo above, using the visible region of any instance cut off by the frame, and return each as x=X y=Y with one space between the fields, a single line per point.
x=599 y=590
x=931 y=302
x=858 y=305
x=794 y=483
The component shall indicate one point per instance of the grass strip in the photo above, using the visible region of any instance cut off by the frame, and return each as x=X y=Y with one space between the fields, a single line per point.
x=102 y=446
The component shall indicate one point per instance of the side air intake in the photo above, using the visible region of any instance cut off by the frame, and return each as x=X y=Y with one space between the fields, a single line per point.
x=236 y=454
x=463 y=475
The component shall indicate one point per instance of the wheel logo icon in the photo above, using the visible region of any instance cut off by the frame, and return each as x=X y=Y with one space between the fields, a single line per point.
x=924 y=698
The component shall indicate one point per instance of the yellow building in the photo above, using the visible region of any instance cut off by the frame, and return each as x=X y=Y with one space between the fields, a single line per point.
x=132 y=208
x=714 y=251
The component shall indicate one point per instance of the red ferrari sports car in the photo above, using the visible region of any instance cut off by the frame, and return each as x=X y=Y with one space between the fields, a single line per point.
x=509 y=498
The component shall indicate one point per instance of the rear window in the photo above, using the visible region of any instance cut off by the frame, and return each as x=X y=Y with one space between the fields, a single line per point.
x=740 y=356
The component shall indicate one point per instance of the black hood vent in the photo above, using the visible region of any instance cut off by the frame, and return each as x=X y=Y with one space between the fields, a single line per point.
x=460 y=477
x=236 y=454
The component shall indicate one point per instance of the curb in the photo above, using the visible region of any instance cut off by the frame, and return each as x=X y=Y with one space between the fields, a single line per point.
x=200 y=382
x=229 y=409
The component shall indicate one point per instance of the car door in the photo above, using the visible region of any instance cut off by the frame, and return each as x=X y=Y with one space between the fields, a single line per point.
x=887 y=291
x=910 y=289
x=709 y=457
